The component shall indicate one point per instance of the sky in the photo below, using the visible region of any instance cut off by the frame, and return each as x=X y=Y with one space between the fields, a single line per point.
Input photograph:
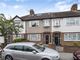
x=22 y=7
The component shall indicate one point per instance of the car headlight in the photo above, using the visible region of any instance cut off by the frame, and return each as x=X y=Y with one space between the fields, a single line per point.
x=54 y=57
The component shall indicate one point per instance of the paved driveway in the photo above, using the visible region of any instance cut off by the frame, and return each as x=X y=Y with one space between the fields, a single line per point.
x=66 y=56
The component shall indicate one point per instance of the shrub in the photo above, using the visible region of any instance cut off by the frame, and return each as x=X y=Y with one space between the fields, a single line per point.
x=20 y=40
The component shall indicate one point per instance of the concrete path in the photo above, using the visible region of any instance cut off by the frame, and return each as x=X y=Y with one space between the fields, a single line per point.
x=66 y=56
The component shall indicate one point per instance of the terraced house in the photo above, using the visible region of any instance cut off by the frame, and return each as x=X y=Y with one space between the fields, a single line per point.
x=54 y=28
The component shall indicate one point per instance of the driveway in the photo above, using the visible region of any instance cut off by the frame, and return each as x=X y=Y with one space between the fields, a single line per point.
x=66 y=56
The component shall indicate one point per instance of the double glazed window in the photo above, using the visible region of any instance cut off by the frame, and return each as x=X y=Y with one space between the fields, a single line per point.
x=72 y=21
x=72 y=37
x=19 y=36
x=17 y=21
x=34 y=37
x=33 y=23
x=46 y=22
x=56 y=22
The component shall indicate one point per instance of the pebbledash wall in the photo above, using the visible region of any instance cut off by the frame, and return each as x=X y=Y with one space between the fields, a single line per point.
x=58 y=29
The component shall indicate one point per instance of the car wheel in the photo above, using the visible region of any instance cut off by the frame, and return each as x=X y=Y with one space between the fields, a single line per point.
x=45 y=59
x=8 y=57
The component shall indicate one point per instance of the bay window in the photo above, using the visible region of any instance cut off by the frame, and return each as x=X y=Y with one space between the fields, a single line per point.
x=34 y=37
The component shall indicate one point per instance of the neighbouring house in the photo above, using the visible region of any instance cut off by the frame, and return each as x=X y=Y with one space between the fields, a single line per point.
x=54 y=28
x=22 y=30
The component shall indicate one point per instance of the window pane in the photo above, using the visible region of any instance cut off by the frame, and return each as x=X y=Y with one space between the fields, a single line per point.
x=33 y=23
x=34 y=37
x=29 y=49
x=72 y=36
x=10 y=47
x=18 y=47
x=72 y=21
x=46 y=22
x=65 y=36
x=78 y=36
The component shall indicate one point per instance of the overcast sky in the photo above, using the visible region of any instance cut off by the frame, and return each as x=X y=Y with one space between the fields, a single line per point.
x=22 y=7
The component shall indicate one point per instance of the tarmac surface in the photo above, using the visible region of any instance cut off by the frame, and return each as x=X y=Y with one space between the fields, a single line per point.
x=66 y=56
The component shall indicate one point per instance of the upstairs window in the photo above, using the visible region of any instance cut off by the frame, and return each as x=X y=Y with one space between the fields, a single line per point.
x=17 y=21
x=33 y=23
x=46 y=22
x=72 y=21
x=56 y=22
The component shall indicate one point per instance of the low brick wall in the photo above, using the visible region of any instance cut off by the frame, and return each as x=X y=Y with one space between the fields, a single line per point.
x=70 y=49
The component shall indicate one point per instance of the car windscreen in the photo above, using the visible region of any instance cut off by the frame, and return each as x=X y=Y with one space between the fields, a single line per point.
x=39 y=47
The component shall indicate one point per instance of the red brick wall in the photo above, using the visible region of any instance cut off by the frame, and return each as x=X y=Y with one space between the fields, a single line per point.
x=70 y=49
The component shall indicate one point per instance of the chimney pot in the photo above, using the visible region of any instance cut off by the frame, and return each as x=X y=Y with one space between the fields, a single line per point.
x=32 y=12
x=74 y=8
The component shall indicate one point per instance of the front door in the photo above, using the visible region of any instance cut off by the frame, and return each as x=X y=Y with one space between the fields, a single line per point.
x=46 y=38
x=57 y=38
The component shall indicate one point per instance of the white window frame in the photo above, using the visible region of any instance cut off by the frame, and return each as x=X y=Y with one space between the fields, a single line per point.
x=72 y=21
x=46 y=22
x=33 y=22
x=56 y=22
x=71 y=36
x=34 y=37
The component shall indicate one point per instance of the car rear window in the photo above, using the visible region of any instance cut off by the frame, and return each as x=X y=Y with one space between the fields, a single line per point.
x=10 y=47
x=15 y=47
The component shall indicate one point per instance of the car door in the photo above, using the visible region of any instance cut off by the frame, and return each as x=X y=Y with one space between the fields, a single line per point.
x=18 y=52
x=29 y=55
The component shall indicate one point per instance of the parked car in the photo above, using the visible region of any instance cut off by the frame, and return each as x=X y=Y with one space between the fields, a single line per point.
x=0 y=51
x=28 y=51
x=76 y=54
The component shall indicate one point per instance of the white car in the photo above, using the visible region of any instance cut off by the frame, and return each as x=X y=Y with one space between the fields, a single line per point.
x=28 y=51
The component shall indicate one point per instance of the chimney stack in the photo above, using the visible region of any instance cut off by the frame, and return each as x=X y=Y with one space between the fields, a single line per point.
x=32 y=12
x=74 y=8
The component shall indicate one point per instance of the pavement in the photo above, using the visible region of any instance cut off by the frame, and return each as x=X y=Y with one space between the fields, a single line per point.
x=66 y=56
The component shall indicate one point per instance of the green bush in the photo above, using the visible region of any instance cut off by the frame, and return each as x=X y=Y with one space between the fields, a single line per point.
x=20 y=40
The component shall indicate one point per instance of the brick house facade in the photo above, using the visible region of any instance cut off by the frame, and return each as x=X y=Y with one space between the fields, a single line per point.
x=53 y=29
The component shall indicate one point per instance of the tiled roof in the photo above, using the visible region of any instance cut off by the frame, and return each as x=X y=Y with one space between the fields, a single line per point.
x=51 y=15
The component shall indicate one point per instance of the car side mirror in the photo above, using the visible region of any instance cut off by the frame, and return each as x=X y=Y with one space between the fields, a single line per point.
x=34 y=52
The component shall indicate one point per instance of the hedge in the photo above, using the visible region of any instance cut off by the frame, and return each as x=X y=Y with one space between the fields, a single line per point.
x=20 y=40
